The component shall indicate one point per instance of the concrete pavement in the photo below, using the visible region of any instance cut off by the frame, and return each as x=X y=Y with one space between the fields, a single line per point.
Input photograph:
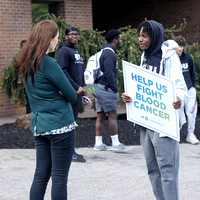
x=7 y=120
x=105 y=175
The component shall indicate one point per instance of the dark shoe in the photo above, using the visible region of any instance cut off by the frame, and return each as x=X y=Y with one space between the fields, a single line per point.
x=78 y=158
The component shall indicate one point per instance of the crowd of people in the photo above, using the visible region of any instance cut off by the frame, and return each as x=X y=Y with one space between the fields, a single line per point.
x=54 y=88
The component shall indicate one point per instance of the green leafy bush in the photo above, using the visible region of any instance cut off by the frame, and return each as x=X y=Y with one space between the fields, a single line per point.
x=130 y=52
x=194 y=51
x=12 y=83
x=89 y=43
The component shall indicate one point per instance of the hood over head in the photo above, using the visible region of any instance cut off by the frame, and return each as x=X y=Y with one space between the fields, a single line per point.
x=157 y=38
x=169 y=47
x=153 y=54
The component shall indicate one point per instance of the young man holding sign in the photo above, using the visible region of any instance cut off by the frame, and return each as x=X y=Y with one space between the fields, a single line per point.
x=161 y=153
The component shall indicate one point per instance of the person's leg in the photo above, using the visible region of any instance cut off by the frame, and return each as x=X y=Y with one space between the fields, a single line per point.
x=99 y=145
x=167 y=156
x=62 y=148
x=43 y=168
x=113 y=127
x=151 y=162
x=100 y=123
x=191 y=112
x=112 y=122
x=75 y=107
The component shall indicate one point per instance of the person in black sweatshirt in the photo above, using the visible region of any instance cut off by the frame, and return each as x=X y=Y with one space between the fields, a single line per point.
x=72 y=65
x=190 y=80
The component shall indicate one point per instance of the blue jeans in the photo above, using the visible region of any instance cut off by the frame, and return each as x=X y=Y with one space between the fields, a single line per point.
x=53 y=159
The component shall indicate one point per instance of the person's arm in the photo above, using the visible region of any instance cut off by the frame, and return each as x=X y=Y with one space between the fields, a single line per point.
x=109 y=63
x=63 y=60
x=192 y=72
x=58 y=78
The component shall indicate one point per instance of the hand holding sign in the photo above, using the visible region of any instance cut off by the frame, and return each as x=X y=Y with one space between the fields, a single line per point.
x=177 y=104
x=126 y=98
x=150 y=98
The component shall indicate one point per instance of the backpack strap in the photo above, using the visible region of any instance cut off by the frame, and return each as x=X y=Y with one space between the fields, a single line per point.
x=109 y=49
x=98 y=59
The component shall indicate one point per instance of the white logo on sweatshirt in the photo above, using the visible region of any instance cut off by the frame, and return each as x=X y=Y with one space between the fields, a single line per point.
x=77 y=56
x=185 y=65
x=149 y=67
x=78 y=59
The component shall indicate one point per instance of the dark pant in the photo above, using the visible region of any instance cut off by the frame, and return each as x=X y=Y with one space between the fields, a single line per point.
x=53 y=159
x=76 y=106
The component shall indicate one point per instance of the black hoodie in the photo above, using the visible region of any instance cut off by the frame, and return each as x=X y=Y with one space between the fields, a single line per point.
x=71 y=63
x=188 y=70
x=108 y=65
x=153 y=55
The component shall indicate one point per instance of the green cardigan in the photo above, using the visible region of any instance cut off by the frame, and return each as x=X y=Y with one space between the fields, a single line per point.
x=50 y=109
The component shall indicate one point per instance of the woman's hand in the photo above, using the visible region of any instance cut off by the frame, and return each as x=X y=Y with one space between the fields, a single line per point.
x=126 y=98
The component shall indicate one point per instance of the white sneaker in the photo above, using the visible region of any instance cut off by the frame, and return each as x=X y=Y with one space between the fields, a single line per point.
x=101 y=147
x=192 y=139
x=121 y=148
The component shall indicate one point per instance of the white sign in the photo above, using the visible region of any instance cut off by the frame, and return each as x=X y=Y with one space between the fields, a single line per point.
x=152 y=97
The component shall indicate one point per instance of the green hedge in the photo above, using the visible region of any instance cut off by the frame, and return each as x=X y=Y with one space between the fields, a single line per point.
x=194 y=51
x=89 y=43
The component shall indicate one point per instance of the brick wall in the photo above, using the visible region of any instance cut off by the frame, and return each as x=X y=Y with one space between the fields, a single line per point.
x=15 y=24
x=171 y=13
x=77 y=12
x=167 y=12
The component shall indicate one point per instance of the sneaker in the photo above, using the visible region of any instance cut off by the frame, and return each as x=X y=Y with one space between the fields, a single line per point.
x=121 y=148
x=101 y=147
x=78 y=158
x=192 y=139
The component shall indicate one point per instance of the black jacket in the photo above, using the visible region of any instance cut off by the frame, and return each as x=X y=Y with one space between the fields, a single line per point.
x=108 y=65
x=71 y=63
x=188 y=70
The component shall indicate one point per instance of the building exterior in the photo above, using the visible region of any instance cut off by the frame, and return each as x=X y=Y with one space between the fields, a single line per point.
x=110 y=14
x=15 y=25
x=16 y=19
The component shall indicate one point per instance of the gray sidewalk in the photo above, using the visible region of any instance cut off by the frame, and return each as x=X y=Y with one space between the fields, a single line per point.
x=105 y=175
x=87 y=114
x=7 y=120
